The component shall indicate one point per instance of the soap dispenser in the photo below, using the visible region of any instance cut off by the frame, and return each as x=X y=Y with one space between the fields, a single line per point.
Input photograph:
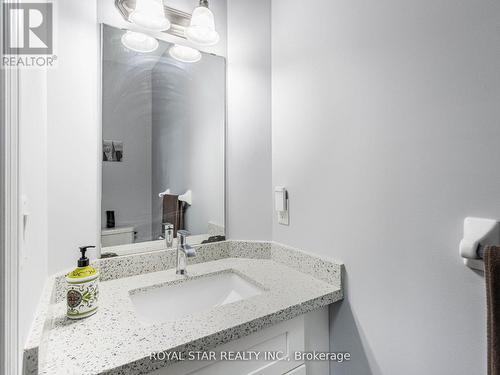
x=82 y=288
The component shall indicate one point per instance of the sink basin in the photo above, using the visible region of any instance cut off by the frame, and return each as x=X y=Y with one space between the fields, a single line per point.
x=172 y=302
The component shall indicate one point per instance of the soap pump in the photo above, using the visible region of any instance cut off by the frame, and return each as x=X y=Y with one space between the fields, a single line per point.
x=82 y=288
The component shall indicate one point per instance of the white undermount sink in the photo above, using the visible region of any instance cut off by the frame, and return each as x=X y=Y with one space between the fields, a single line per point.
x=172 y=302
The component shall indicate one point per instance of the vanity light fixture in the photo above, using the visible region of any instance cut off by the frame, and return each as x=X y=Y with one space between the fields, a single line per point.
x=184 y=54
x=150 y=15
x=139 y=42
x=201 y=29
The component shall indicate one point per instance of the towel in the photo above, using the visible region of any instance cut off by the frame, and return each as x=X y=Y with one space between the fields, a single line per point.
x=492 y=276
x=173 y=212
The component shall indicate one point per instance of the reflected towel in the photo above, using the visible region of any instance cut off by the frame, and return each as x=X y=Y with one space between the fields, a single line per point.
x=173 y=212
x=492 y=276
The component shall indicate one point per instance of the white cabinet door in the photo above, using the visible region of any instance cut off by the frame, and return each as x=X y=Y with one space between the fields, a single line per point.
x=316 y=328
x=284 y=338
x=305 y=333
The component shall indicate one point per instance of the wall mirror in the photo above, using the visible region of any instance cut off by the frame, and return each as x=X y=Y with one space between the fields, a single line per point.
x=163 y=131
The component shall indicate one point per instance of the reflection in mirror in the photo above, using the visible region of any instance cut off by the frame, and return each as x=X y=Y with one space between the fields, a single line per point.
x=163 y=126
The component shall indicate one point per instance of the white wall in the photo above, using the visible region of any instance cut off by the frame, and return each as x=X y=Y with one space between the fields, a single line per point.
x=385 y=131
x=249 y=192
x=73 y=130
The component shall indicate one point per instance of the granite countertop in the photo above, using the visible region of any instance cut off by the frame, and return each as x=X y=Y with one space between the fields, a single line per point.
x=116 y=341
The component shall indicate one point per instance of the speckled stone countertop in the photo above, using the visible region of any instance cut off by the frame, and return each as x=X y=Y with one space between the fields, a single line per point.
x=116 y=341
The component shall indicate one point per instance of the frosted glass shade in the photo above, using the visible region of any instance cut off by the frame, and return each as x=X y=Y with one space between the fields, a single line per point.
x=139 y=42
x=202 y=27
x=184 y=54
x=150 y=15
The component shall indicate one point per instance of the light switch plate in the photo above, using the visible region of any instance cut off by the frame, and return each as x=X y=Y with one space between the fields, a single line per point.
x=281 y=205
x=280 y=199
x=284 y=217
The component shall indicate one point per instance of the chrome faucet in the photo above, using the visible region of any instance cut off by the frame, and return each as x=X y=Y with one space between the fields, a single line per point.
x=168 y=233
x=184 y=251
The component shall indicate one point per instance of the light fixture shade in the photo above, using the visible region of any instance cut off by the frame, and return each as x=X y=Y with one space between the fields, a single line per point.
x=184 y=54
x=139 y=42
x=150 y=15
x=202 y=27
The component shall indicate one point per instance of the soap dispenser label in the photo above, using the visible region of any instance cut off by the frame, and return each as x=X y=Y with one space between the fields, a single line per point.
x=74 y=299
x=82 y=299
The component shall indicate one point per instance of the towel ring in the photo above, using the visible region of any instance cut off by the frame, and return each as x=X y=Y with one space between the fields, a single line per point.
x=478 y=234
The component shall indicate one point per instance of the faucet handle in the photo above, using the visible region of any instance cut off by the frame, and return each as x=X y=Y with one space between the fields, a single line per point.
x=183 y=233
x=190 y=251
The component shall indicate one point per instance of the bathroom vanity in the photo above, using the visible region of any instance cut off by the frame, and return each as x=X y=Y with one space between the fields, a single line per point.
x=237 y=297
x=162 y=169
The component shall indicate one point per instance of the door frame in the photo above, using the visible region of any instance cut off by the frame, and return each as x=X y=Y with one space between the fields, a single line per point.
x=9 y=216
